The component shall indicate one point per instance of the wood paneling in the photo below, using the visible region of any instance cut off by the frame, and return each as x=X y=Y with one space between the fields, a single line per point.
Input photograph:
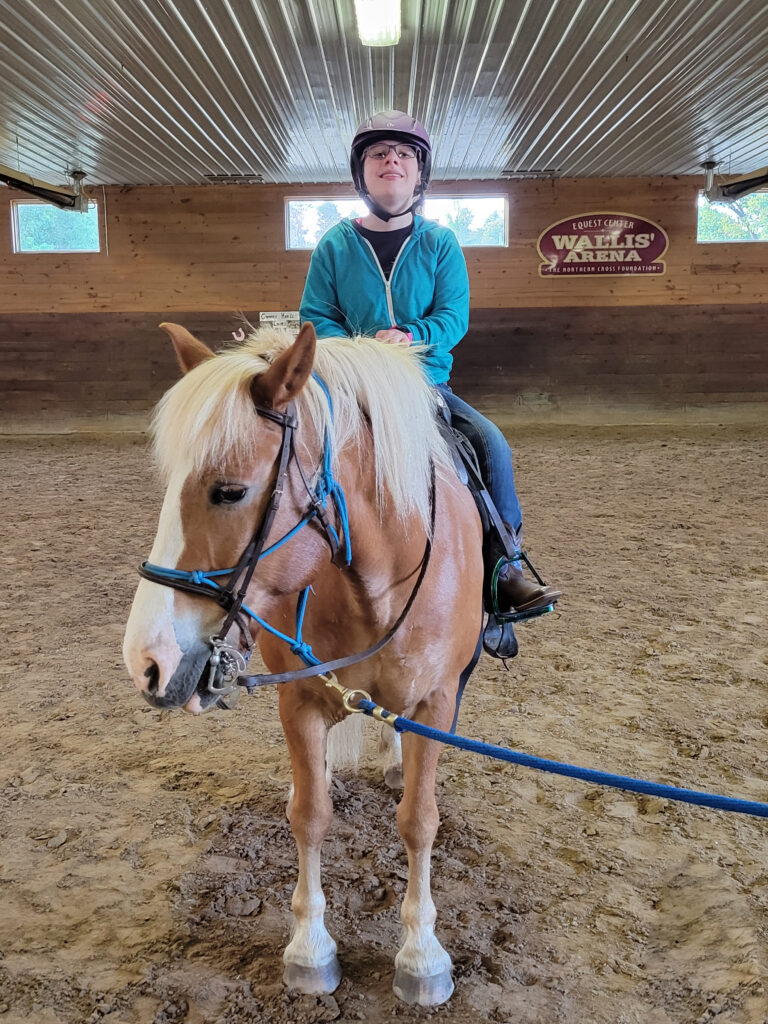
x=79 y=338
x=69 y=371
x=223 y=248
x=670 y=357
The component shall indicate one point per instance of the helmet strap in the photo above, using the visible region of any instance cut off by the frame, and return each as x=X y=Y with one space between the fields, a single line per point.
x=378 y=210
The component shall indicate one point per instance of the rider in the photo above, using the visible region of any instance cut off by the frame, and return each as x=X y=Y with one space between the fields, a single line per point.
x=398 y=277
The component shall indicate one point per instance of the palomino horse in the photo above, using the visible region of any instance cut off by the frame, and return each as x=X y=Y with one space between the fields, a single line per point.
x=368 y=414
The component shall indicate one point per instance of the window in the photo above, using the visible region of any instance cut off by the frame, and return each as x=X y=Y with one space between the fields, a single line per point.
x=308 y=219
x=476 y=220
x=745 y=220
x=42 y=227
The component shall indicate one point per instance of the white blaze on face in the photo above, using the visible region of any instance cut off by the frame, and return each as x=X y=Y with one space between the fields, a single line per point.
x=154 y=632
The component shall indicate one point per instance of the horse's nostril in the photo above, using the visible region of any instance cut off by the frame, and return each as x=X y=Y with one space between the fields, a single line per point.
x=153 y=675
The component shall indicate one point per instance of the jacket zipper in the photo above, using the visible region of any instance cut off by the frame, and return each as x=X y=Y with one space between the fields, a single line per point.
x=387 y=288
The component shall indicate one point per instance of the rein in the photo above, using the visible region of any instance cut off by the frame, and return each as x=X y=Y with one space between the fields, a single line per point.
x=227 y=664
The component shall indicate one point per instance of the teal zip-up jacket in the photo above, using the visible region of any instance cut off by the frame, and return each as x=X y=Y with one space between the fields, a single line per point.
x=427 y=293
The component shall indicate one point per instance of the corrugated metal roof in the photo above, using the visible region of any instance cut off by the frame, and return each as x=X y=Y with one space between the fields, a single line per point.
x=187 y=91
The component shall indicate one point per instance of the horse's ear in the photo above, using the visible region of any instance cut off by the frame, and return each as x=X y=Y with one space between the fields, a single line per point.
x=189 y=351
x=285 y=378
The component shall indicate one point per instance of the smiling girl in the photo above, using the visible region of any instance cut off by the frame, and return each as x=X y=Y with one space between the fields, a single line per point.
x=402 y=279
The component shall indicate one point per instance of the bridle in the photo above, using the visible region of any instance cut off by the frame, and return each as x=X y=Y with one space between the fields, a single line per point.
x=227 y=664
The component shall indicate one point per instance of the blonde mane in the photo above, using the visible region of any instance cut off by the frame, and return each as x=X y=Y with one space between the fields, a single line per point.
x=208 y=416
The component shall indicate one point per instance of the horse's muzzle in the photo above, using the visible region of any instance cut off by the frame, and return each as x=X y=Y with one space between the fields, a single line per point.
x=191 y=676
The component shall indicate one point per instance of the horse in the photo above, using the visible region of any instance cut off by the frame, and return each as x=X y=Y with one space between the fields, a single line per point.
x=404 y=584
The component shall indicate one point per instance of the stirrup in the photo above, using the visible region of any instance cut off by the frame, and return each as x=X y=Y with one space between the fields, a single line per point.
x=499 y=638
x=513 y=616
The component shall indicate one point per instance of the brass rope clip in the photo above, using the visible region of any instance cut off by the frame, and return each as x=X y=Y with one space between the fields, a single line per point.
x=348 y=696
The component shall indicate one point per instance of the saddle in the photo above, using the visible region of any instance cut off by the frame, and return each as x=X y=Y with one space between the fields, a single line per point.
x=499 y=638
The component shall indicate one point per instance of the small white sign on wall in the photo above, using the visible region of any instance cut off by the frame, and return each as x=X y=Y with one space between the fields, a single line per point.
x=290 y=319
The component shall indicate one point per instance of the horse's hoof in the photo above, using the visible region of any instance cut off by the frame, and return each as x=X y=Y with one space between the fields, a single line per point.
x=393 y=777
x=313 y=981
x=429 y=991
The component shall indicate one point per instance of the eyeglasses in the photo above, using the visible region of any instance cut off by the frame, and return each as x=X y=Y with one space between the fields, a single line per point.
x=382 y=149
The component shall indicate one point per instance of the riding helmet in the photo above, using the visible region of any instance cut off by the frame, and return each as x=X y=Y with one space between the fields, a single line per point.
x=390 y=124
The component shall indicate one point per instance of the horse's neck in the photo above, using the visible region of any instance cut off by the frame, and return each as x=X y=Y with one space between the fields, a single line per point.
x=386 y=548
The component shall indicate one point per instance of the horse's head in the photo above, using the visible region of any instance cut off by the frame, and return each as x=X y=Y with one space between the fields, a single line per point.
x=221 y=439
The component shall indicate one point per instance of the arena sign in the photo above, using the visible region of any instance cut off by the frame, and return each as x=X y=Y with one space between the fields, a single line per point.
x=290 y=319
x=602 y=243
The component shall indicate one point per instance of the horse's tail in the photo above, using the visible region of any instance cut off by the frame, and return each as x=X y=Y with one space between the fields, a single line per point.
x=345 y=743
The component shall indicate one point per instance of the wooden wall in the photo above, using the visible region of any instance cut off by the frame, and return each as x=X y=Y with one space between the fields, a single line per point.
x=78 y=340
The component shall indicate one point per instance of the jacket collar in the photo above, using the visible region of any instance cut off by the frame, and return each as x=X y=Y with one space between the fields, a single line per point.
x=420 y=225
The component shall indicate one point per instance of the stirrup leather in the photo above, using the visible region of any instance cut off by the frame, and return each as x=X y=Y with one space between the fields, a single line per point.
x=499 y=638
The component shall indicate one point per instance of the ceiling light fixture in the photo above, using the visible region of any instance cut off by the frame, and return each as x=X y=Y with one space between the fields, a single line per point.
x=378 y=22
x=733 y=187
x=66 y=198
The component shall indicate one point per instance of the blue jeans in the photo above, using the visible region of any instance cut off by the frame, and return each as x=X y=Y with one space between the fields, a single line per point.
x=493 y=454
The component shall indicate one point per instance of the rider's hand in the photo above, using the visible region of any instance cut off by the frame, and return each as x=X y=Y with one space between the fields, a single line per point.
x=393 y=336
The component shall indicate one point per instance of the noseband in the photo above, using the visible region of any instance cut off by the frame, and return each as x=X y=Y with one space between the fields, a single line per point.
x=227 y=664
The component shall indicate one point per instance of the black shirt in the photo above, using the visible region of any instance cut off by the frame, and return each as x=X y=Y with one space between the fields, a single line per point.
x=386 y=244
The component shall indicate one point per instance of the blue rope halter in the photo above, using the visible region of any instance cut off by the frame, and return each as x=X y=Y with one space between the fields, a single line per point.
x=202 y=580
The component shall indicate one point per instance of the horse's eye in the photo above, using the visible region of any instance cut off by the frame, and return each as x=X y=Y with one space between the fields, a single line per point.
x=227 y=494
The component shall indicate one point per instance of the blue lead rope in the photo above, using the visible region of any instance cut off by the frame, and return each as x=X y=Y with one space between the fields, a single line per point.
x=687 y=796
x=328 y=486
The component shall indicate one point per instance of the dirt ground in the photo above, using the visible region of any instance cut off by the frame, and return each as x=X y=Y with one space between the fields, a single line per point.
x=145 y=861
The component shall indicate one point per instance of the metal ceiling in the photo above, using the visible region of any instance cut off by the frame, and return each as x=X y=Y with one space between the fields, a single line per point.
x=187 y=91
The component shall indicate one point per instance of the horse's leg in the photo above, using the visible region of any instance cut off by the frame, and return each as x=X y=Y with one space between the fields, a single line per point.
x=390 y=746
x=422 y=966
x=289 y=798
x=391 y=752
x=310 y=959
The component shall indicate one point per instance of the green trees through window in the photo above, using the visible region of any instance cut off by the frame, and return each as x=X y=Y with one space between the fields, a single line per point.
x=476 y=220
x=309 y=219
x=41 y=227
x=746 y=220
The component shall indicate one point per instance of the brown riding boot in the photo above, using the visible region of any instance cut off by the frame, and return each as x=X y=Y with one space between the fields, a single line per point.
x=515 y=590
x=523 y=595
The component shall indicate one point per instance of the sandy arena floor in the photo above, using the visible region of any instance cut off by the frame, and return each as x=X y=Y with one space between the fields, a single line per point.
x=145 y=861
